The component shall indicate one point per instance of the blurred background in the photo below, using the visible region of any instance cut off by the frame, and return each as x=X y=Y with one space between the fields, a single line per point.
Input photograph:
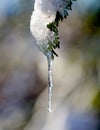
x=76 y=72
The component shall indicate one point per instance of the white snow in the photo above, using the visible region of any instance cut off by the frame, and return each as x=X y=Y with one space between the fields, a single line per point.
x=43 y=14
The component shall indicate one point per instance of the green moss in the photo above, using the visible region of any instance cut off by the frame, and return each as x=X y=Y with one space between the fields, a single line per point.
x=54 y=27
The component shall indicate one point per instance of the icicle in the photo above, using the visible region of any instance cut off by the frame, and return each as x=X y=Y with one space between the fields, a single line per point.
x=50 y=81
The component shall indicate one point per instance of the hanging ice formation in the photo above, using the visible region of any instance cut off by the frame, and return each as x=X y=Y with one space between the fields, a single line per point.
x=43 y=25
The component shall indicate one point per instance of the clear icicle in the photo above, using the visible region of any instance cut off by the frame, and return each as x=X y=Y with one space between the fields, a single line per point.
x=50 y=81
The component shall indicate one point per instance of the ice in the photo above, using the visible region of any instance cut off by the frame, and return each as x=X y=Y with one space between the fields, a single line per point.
x=50 y=81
